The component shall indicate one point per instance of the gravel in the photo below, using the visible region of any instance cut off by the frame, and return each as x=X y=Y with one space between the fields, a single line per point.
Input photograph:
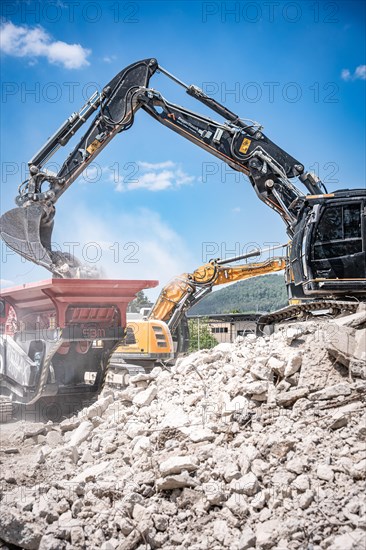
x=254 y=445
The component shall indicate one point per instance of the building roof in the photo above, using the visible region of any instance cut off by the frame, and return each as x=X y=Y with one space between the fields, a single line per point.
x=227 y=316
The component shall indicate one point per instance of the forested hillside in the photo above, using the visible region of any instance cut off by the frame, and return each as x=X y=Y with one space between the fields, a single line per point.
x=266 y=293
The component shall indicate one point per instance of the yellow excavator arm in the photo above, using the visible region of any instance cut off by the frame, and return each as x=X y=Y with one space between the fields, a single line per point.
x=150 y=340
x=207 y=276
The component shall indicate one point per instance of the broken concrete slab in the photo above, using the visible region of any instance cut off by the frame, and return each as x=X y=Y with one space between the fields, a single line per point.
x=176 y=464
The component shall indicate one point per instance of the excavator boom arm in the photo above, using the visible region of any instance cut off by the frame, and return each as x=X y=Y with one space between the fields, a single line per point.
x=237 y=142
x=239 y=273
x=183 y=292
x=267 y=166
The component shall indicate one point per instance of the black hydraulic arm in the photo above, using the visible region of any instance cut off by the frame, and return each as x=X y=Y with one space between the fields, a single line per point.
x=239 y=143
x=115 y=106
x=221 y=110
x=28 y=229
x=268 y=167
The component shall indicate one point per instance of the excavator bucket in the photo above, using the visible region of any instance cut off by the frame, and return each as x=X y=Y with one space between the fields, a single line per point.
x=23 y=229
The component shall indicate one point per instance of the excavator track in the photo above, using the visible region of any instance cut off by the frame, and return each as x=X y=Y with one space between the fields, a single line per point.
x=299 y=310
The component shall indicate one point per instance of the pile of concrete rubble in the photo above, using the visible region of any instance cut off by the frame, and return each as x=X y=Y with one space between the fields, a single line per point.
x=259 y=444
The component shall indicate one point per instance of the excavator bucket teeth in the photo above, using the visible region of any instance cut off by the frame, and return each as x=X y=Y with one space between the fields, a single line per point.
x=25 y=232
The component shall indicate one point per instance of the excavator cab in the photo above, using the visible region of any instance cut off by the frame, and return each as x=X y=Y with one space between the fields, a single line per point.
x=328 y=252
x=145 y=345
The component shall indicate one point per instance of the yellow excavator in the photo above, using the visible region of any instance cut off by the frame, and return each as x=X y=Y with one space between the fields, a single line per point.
x=164 y=334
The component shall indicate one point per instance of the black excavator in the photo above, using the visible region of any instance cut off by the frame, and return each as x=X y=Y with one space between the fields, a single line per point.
x=326 y=262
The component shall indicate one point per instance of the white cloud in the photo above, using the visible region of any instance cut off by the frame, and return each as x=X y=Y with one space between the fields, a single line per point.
x=359 y=73
x=158 y=181
x=153 y=181
x=25 y=41
x=237 y=209
x=153 y=177
x=145 y=175
x=345 y=74
x=109 y=58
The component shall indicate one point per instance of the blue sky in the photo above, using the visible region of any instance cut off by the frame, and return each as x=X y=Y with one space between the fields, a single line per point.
x=152 y=201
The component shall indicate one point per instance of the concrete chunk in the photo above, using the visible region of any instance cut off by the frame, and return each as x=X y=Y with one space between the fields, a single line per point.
x=247 y=484
x=287 y=398
x=325 y=472
x=15 y=529
x=340 y=343
x=276 y=365
x=355 y=320
x=145 y=397
x=294 y=363
x=330 y=392
x=91 y=472
x=267 y=533
x=81 y=433
x=247 y=539
x=339 y=420
x=176 y=464
x=257 y=387
x=175 y=482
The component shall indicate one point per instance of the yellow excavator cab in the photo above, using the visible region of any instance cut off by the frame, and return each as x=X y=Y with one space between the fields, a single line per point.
x=147 y=340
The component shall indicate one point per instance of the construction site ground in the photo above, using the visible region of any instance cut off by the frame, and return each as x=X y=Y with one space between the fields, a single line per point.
x=260 y=444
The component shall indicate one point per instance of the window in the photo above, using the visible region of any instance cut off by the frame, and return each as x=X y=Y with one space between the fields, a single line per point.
x=338 y=232
x=219 y=330
x=352 y=221
x=330 y=226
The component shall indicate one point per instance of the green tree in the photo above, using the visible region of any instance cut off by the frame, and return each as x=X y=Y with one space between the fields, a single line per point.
x=200 y=336
x=140 y=301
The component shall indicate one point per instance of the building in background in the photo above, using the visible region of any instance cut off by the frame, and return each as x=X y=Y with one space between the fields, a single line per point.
x=225 y=327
